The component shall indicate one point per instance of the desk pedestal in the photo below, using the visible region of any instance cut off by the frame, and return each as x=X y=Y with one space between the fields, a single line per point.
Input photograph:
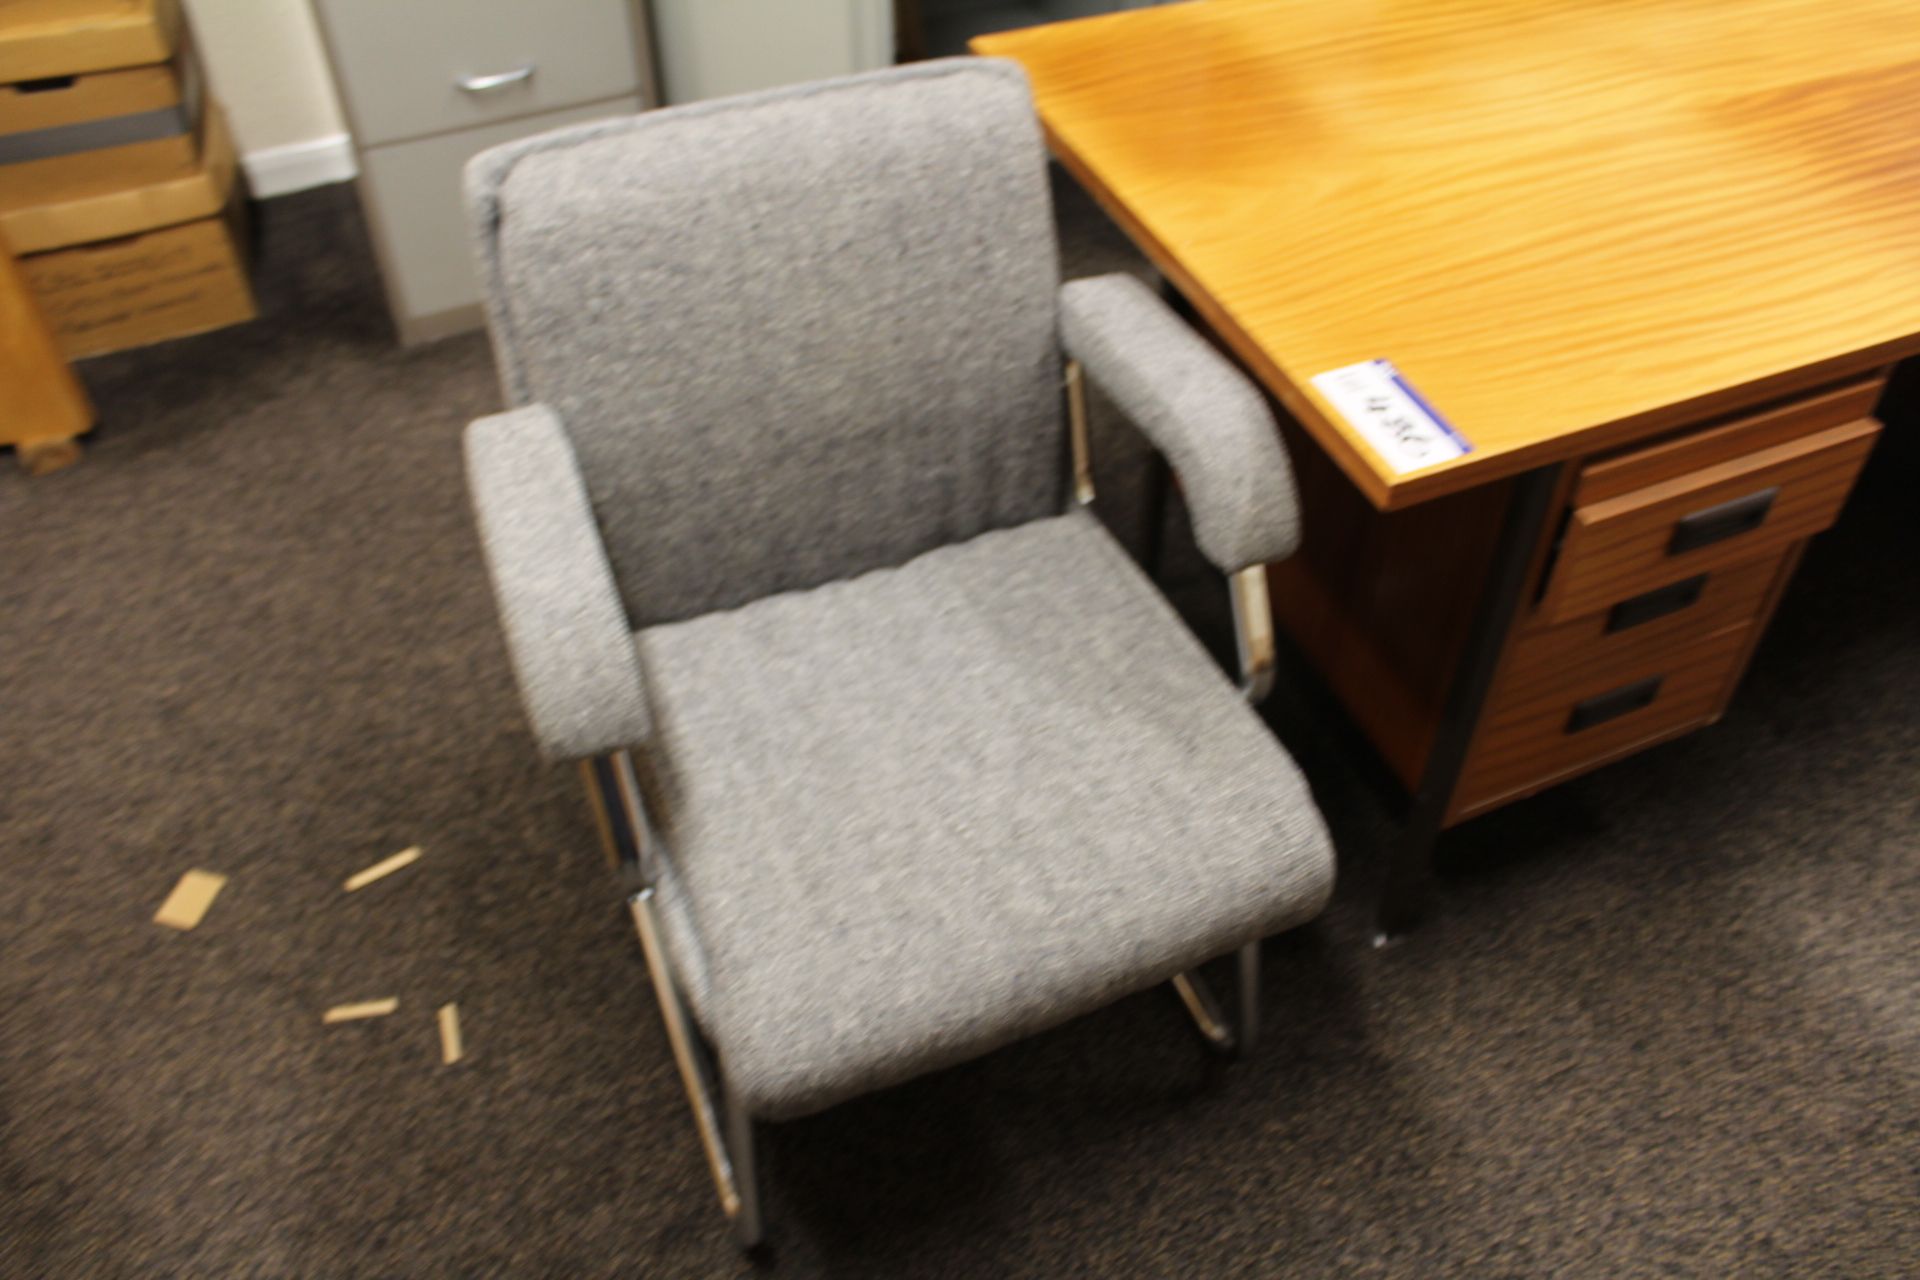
x=1499 y=641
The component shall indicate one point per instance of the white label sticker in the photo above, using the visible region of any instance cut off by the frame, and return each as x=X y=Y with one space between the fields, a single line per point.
x=1390 y=415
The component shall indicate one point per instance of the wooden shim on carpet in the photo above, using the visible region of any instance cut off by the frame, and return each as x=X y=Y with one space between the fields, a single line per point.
x=451 y=1047
x=190 y=899
x=364 y=1009
x=382 y=868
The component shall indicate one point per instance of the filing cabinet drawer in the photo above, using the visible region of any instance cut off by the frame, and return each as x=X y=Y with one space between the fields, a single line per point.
x=402 y=65
x=415 y=207
x=1552 y=717
x=1749 y=506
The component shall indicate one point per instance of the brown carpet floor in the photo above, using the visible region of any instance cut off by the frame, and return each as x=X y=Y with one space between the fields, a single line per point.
x=1668 y=1023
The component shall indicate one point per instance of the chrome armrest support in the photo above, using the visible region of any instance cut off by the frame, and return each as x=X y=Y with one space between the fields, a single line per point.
x=621 y=814
x=1252 y=612
x=1077 y=435
x=1253 y=631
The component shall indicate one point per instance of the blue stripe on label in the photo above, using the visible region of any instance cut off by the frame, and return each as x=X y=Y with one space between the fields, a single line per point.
x=1386 y=367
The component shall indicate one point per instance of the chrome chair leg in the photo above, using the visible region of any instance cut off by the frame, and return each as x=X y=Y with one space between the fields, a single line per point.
x=1205 y=1010
x=694 y=1075
x=1249 y=996
x=1206 y=1013
x=623 y=827
x=748 y=1226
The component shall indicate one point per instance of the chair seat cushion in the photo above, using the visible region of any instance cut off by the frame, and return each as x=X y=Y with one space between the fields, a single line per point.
x=917 y=814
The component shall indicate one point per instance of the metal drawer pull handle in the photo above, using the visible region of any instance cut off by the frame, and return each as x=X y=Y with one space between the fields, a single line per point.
x=1657 y=603
x=483 y=84
x=1603 y=707
x=1727 y=520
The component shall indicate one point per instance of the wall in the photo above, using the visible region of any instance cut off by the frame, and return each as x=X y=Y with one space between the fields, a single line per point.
x=267 y=66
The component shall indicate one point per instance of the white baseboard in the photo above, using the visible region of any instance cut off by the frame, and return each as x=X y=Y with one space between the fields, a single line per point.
x=279 y=171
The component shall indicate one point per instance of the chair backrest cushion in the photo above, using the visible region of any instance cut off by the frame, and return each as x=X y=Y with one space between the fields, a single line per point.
x=793 y=336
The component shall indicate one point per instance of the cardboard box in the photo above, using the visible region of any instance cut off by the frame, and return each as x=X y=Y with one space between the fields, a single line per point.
x=40 y=38
x=36 y=216
x=67 y=135
x=139 y=289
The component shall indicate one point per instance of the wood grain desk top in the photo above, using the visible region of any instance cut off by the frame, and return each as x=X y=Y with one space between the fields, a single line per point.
x=1568 y=223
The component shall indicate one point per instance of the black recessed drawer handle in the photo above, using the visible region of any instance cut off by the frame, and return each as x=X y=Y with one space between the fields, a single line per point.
x=1657 y=603
x=1727 y=520
x=1603 y=707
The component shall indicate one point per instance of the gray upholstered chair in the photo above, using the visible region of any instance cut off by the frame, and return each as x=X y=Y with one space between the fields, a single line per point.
x=903 y=756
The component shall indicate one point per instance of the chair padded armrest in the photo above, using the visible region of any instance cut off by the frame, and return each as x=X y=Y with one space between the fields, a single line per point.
x=1211 y=422
x=567 y=630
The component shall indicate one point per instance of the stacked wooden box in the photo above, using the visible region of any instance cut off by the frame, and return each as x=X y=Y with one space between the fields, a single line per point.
x=118 y=189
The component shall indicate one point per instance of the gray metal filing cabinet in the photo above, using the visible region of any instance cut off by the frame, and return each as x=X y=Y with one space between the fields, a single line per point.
x=427 y=84
x=708 y=48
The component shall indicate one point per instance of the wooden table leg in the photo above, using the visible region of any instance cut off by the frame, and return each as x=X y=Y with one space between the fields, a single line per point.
x=1408 y=891
x=43 y=409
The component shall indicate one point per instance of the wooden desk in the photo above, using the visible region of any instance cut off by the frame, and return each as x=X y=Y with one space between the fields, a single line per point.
x=1649 y=258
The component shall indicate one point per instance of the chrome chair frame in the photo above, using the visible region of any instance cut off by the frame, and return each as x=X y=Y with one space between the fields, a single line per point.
x=1253 y=643
x=726 y=1130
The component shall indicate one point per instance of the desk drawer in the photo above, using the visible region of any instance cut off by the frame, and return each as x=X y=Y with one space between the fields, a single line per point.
x=1564 y=708
x=1652 y=622
x=1749 y=506
x=402 y=65
x=1628 y=469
